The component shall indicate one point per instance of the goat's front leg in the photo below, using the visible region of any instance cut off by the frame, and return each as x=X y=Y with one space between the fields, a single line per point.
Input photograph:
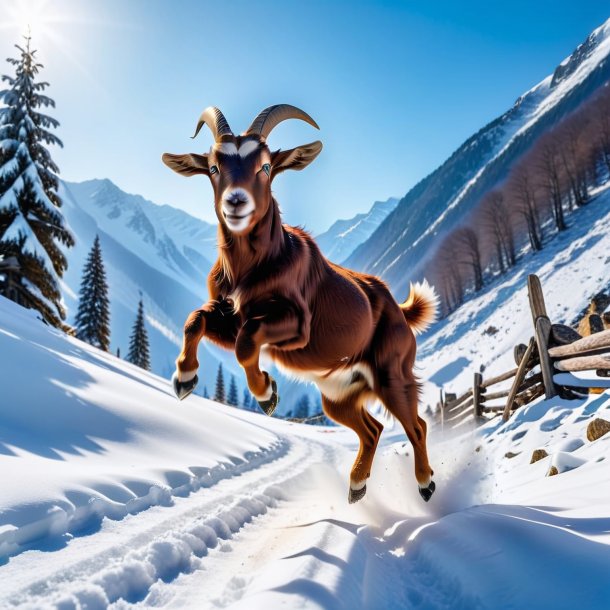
x=215 y=320
x=282 y=325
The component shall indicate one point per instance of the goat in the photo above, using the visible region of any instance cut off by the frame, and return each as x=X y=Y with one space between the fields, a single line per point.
x=272 y=289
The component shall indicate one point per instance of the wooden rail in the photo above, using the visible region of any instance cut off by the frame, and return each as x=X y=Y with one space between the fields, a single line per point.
x=553 y=347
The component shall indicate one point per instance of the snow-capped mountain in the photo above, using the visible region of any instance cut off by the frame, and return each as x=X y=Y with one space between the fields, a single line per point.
x=158 y=251
x=344 y=236
x=162 y=253
x=405 y=240
x=169 y=239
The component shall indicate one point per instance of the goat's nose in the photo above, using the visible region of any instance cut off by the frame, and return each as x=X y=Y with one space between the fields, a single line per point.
x=237 y=199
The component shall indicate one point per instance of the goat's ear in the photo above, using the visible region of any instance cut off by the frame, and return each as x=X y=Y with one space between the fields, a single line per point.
x=187 y=165
x=296 y=158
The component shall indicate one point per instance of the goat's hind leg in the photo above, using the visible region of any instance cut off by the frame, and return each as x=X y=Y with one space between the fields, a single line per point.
x=351 y=412
x=215 y=320
x=400 y=397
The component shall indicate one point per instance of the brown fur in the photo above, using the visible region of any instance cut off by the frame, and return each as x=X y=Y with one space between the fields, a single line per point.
x=271 y=287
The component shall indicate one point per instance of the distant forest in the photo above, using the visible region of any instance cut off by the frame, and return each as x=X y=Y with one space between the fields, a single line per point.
x=554 y=177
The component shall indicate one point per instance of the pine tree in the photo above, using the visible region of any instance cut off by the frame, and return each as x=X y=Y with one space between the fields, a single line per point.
x=247 y=400
x=301 y=411
x=93 y=318
x=138 y=342
x=232 y=398
x=219 y=394
x=205 y=391
x=32 y=228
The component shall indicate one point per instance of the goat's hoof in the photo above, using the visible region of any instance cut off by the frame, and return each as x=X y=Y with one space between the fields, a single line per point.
x=426 y=492
x=356 y=494
x=268 y=406
x=182 y=389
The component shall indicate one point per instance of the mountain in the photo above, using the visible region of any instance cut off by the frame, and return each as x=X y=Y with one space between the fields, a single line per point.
x=482 y=333
x=163 y=253
x=405 y=240
x=147 y=248
x=344 y=236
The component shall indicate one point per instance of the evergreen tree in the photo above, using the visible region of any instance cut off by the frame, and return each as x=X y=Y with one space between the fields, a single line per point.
x=301 y=410
x=247 y=399
x=232 y=398
x=32 y=228
x=138 y=342
x=93 y=318
x=205 y=391
x=219 y=394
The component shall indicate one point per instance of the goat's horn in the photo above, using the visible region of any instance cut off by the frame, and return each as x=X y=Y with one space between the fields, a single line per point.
x=215 y=120
x=270 y=117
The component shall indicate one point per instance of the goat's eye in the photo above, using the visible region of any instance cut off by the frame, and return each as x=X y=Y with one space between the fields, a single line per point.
x=267 y=168
x=214 y=169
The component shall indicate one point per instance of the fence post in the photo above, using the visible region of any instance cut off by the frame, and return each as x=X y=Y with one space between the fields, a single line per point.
x=476 y=395
x=519 y=377
x=542 y=326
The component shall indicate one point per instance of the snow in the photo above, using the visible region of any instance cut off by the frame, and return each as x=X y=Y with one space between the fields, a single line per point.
x=456 y=347
x=119 y=496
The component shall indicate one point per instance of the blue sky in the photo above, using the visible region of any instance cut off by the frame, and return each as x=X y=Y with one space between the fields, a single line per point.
x=395 y=86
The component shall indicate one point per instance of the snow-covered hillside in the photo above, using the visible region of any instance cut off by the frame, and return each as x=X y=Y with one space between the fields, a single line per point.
x=164 y=254
x=572 y=267
x=115 y=495
x=401 y=245
x=344 y=236
x=149 y=249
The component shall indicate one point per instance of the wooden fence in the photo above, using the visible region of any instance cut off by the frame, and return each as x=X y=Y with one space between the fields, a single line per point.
x=554 y=347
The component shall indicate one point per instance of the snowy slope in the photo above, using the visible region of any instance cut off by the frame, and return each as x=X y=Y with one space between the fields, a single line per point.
x=344 y=236
x=400 y=246
x=136 y=263
x=158 y=251
x=573 y=267
x=115 y=496
x=170 y=240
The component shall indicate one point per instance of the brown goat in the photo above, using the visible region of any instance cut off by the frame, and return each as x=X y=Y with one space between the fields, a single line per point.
x=272 y=290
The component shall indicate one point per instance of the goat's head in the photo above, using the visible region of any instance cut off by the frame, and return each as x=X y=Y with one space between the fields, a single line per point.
x=241 y=168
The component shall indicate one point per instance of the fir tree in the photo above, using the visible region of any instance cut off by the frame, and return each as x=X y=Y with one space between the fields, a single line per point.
x=232 y=398
x=32 y=228
x=219 y=394
x=93 y=318
x=138 y=342
x=247 y=399
x=205 y=391
x=301 y=410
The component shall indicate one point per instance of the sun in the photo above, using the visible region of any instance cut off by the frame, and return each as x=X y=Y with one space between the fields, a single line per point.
x=29 y=17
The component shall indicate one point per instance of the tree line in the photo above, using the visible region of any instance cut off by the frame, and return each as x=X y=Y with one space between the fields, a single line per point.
x=33 y=232
x=551 y=180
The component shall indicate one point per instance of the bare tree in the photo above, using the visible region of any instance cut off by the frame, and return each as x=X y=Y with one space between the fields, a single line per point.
x=601 y=127
x=524 y=193
x=498 y=230
x=447 y=275
x=548 y=162
x=469 y=252
x=572 y=152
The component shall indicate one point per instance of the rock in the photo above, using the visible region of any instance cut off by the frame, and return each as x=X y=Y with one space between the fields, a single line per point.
x=510 y=455
x=478 y=449
x=538 y=454
x=552 y=471
x=563 y=335
x=597 y=428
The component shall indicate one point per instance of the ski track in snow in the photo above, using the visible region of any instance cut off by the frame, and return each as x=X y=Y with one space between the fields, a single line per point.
x=125 y=558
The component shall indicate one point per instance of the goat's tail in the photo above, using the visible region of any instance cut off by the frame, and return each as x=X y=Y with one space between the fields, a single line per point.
x=421 y=307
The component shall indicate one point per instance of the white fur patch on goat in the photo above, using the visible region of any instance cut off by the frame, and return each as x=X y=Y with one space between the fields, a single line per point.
x=227 y=148
x=249 y=146
x=338 y=384
x=184 y=376
x=237 y=219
